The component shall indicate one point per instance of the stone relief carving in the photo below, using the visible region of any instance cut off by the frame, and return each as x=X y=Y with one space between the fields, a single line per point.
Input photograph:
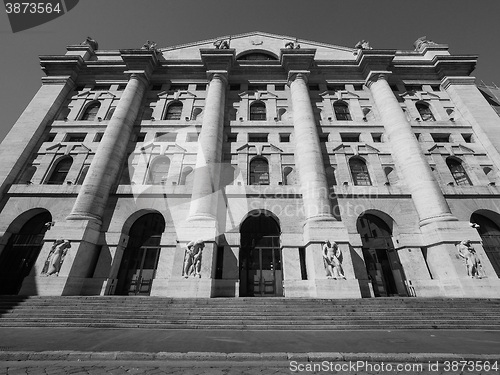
x=472 y=262
x=56 y=257
x=90 y=42
x=292 y=45
x=362 y=44
x=221 y=44
x=192 y=258
x=422 y=42
x=332 y=259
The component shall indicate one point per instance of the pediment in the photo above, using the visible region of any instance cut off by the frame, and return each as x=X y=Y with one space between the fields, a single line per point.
x=259 y=149
x=259 y=42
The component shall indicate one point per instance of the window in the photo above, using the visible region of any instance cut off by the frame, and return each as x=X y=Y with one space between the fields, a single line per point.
x=174 y=111
x=141 y=137
x=179 y=87
x=458 y=172
x=232 y=137
x=259 y=171
x=91 y=112
x=394 y=88
x=201 y=86
x=156 y=88
x=98 y=137
x=358 y=87
x=284 y=138
x=436 y=87
x=102 y=87
x=257 y=87
x=158 y=170
x=335 y=87
x=110 y=113
x=349 y=137
x=234 y=87
x=82 y=176
x=192 y=137
x=147 y=114
x=377 y=137
x=413 y=88
x=425 y=112
x=258 y=111
x=75 y=137
x=341 y=111
x=441 y=138
x=359 y=172
x=467 y=138
x=166 y=137
x=257 y=137
x=121 y=87
x=60 y=171
x=50 y=137
x=313 y=87
x=257 y=56
x=323 y=138
x=279 y=87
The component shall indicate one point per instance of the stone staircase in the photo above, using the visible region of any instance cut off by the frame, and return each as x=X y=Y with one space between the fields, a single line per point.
x=249 y=313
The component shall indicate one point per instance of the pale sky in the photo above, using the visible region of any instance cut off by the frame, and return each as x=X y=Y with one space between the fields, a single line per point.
x=468 y=27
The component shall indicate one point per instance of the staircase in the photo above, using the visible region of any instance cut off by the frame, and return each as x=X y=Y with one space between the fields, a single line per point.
x=249 y=313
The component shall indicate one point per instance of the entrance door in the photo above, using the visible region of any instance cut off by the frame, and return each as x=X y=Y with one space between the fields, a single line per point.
x=382 y=261
x=261 y=273
x=140 y=258
x=21 y=252
x=490 y=234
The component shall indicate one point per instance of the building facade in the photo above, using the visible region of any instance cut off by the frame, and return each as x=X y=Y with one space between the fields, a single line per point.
x=222 y=168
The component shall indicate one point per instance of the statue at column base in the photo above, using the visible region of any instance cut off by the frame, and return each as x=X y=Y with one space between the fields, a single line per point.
x=192 y=259
x=56 y=257
x=332 y=259
x=472 y=262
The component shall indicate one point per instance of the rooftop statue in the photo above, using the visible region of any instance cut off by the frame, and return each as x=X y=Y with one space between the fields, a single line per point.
x=91 y=42
x=221 y=44
x=362 y=44
x=423 y=42
x=150 y=46
x=292 y=45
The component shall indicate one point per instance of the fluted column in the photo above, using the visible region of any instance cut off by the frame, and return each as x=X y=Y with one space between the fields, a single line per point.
x=308 y=156
x=112 y=151
x=426 y=194
x=207 y=172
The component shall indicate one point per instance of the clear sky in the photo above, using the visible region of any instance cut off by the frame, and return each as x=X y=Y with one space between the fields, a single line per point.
x=469 y=27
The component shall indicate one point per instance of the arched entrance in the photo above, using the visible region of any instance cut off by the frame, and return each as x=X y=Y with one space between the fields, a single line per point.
x=490 y=234
x=261 y=273
x=382 y=261
x=140 y=258
x=21 y=252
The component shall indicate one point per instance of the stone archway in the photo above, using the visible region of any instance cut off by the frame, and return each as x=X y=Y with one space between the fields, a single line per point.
x=489 y=230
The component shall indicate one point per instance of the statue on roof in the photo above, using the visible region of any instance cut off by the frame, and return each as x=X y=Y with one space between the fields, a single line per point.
x=362 y=44
x=423 y=42
x=150 y=46
x=221 y=44
x=90 y=42
x=292 y=45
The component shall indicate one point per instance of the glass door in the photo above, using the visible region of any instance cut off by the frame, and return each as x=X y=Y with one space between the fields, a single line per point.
x=139 y=270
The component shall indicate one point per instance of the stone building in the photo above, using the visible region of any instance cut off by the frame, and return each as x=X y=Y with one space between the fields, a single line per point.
x=262 y=147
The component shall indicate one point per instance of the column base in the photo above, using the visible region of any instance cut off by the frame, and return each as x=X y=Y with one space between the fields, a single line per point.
x=324 y=289
x=61 y=286
x=183 y=288
x=458 y=288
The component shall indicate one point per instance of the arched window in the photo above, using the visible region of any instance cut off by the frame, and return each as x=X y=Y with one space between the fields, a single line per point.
x=158 y=170
x=390 y=175
x=83 y=174
x=91 y=111
x=258 y=111
x=458 y=171
x=174 y=111
x=425 y=112
x=330 y=176
x=341 y=110
x=60 y=171
x=196 y=113
x=186 y=176
x=359 y=172
x=259 y=171
x=110 y=113
x=288 y=176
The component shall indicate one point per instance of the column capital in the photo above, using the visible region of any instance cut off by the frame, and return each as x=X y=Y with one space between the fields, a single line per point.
x=294 y=74
x=218 y=74
x=375 y=75
x=449 y=81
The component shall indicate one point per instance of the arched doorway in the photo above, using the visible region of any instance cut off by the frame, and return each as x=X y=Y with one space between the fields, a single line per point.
x=490 y=234
x=21 y=252
x=382 y=261
x=261 y=273
x=140 y=258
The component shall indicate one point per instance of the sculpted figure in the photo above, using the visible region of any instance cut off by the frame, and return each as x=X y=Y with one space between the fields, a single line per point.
x=91 y=42
x=56 y=256
x=362 y=44
x=221 y=44
x=292 y=45
x=472 y=262
x=332 y=258
x=192 y=258
x=150 y=46
x=423 y=42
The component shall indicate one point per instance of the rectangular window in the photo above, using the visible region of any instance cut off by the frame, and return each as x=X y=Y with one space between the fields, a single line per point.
x=192 y=137
x=279 y=87
x=257 y=137
x=140 y=137
x=75 y=137
x=335 y=87
x=102 y=87
x=257 y=87
x=377 y=137
x=156 y=88
x=50 y=137
x=436 y=87
x=349 y=137
x=467 y=138
x=219 y=262
x=394 y=88
x=201 y=86
x=179 y=87
x=302 y=260
x=441 y=138
x=166 y=137
x=121 y=87
x=234 y=87
x=323 y=138
x=413 y=87
x=358 y=87
x=313 y=87
x=98 y=137
x=232 y=137
x=284 y=137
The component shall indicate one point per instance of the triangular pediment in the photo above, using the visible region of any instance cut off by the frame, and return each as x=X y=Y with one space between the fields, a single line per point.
x=259 y=42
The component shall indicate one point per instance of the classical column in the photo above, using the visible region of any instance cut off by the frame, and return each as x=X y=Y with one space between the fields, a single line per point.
x=308 y=156
x=207 y=172
x=426 y=194
x=112 y=151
